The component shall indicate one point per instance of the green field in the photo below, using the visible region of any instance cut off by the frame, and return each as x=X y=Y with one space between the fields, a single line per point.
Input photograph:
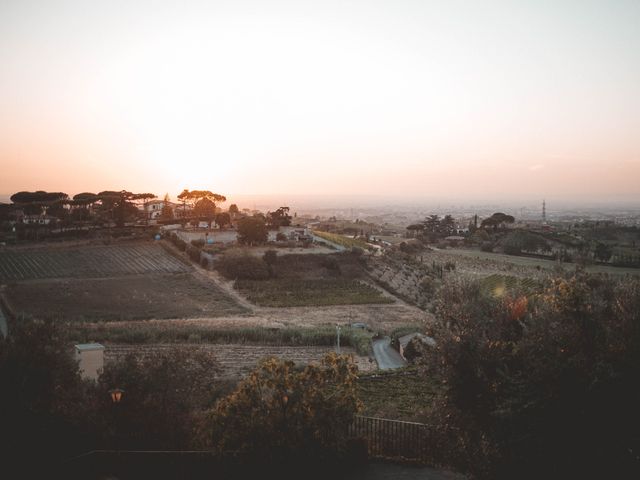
x=292 y=292
x=341 y=239
x=540 y=262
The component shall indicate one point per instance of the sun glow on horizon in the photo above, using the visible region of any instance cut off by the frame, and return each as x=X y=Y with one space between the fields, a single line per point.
x=409 y=98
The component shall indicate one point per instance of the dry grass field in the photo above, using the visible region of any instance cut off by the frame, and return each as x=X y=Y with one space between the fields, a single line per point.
x=123 y=298
x=298 y=292
x=128 y=281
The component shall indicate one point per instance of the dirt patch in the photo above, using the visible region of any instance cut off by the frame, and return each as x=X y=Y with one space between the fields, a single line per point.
x=122 y=298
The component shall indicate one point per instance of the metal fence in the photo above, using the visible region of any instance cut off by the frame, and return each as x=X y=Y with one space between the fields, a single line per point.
x=393 y=438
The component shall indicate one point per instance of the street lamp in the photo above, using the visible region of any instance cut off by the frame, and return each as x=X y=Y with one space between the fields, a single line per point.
x=116 y=395
x=338 y=335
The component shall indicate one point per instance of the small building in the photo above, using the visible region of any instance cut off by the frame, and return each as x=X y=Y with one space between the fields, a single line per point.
x=404 y=341
x=91 y=359
x=154 y=208
x=300 y=235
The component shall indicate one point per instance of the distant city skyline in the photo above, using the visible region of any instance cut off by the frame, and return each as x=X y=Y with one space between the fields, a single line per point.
x=456 y=101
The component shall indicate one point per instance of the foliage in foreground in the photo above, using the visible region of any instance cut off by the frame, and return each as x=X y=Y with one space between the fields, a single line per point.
x=539 y=386
x=280 y=411
x=49 y=413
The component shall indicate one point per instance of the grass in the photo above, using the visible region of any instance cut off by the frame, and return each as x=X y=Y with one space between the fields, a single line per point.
x=290 y=292
x=498 y=285
x=542 y=263
x=403 y=395
x=154 y=334
x=120 y=299
x=341 y=239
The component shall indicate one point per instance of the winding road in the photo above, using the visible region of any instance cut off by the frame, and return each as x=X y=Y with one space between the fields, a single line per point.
x=386 y=356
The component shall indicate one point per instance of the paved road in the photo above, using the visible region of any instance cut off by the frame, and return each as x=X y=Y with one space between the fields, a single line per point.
x=386 y=356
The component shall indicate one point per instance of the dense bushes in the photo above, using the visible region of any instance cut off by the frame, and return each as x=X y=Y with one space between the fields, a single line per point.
x=281 y=412
x=540 y=386
x=242 y=267
x=522 y=241
x=49 y=414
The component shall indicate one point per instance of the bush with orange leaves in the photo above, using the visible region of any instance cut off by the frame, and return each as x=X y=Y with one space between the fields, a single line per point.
x=281 y=411
x=539 y=386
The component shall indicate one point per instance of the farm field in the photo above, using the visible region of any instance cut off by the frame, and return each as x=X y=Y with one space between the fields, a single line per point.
x=341 y=239
x=531 y=263
x=307 y=292
x=87 y=262
x=301 y=280
x=238 y=360
x=116 y=299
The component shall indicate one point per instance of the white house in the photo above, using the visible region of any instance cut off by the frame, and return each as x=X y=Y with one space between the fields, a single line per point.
x=154 y=208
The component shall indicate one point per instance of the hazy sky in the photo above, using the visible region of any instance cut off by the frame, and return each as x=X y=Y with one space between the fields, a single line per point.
x=441 y=99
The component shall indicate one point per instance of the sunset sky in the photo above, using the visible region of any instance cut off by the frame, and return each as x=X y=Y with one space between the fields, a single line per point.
x=441 y=99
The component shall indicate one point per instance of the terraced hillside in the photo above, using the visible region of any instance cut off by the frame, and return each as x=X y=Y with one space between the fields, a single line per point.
x=87 y=262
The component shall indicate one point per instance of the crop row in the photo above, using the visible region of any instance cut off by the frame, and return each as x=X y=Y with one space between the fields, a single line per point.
x=341 y=239
x=315 y=292
x=87 y=262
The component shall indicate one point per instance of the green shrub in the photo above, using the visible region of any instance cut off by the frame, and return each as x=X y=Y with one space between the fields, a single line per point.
x=270 y=257
x=242 y=267
x=181 y=244
x=486 y=247
x=194 y=253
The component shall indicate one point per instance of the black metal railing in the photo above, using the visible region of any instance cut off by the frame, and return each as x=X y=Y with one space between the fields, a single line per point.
x=393 y=438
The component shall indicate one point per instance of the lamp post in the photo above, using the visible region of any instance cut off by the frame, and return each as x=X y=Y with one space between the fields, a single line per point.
x=116 y=395
x=338 y=336
x=116 y=398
